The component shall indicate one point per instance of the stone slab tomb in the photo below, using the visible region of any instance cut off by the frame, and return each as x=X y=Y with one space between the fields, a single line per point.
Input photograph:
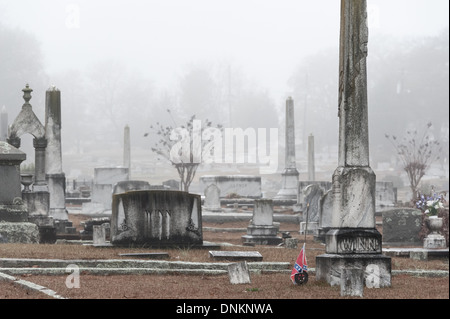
x=156 y=218
x=236 y=255
x=242 y=185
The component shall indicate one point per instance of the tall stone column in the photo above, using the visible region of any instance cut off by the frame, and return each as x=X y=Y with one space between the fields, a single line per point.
x=311 y=163
x=127 y=148
x=353 y=239
x=3 y=124
x=290 y=174
x=53 y=156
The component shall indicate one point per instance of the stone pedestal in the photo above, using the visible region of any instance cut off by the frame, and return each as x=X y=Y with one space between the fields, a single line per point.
x=262 y=230
x=289 y=181
x=38 y=202
x=434 y=241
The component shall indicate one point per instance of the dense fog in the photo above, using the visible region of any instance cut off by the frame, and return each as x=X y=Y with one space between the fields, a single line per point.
x=231 y=62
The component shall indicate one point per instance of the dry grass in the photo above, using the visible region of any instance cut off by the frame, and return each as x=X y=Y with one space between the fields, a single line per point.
x=274 y=286
x=263 y=286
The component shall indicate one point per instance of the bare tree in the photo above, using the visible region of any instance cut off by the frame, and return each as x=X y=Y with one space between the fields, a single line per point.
x=416 y=155
x=186 y=158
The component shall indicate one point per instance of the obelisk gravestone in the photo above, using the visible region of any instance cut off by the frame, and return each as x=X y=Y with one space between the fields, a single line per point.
x=290 y=174
x=353 y=240
x=56 y=179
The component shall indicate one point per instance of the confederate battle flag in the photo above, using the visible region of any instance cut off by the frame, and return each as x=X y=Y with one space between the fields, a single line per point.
x=299 y=274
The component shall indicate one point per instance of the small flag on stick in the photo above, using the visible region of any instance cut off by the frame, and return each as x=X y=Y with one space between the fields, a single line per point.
x=299 y=274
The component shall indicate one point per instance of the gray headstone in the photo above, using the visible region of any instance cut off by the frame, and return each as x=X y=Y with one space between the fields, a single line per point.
x=98 y=235
x=385 y=194
x=291 y=243
x=401 y=227
x=313 y=193
x=239 y=273
x=263 y=213
x=212 y=198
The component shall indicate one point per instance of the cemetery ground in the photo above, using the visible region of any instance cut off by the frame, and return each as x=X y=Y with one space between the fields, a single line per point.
x=179 y=285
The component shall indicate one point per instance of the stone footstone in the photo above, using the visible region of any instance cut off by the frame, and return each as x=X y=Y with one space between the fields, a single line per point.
x=239 y=273
x=352 y=282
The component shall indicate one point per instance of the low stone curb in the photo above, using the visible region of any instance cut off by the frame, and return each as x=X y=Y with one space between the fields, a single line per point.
x=134 y=264
x=29 y=285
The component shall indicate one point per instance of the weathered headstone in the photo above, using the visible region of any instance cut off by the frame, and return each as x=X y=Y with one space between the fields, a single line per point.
x=239 y=273
x=401 y=227
x=385 y=194
x=262 y=230
x=310 y=216
x=104 y=180
x=325 y=216
x=325 y=185
x=312 y=194
x=291 y=243
x=212 y=199
x=157 y=217
x=353 y=240
x=98 y=235
x=290 y=174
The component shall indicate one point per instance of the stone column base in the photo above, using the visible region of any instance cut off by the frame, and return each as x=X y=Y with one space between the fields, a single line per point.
x=377 y=268
x=289 y=181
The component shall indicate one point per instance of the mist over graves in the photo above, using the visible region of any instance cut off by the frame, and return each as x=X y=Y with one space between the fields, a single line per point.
x=265 y=164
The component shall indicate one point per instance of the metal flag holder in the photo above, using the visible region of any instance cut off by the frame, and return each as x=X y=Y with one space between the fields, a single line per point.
x=301 y=277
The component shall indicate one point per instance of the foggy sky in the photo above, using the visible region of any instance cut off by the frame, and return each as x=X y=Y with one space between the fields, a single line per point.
x=266 y=38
